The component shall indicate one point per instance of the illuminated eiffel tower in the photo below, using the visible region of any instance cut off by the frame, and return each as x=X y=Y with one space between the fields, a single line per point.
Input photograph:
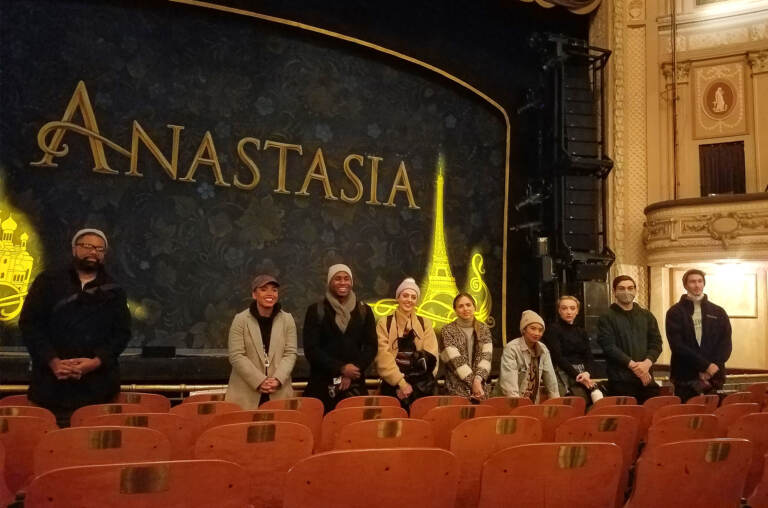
x=439 y=288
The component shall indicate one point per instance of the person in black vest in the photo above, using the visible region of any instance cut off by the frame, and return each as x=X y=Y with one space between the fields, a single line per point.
x=339 y=341
x=75 y=324
x=699 y=335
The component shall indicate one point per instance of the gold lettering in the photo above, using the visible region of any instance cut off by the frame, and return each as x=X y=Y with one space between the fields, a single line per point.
x=140 y=134
x=353 y=178
x=283 y=161
x=248 y=162
x=374 y=180
x=79 y=101
x=402 y=174
x=318 y=163
x=206 y=147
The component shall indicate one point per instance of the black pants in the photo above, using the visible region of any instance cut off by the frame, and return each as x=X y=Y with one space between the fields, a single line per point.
x=634 y=389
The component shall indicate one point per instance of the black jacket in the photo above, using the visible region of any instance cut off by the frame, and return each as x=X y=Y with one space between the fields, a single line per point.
x=327 y=349
x=61 y=319
x=627 y=335
x=568 y=345
x=688 y=358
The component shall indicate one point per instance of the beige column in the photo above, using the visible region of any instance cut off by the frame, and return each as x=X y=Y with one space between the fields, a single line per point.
x=758 y=61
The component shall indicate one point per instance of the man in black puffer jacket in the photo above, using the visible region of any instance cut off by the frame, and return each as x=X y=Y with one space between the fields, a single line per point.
x=699 y=335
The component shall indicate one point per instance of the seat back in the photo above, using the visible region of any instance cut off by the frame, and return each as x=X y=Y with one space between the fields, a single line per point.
x=710 y=401
x=701 y=472
x=550 y=416
x=39 y=412
x=310 y=406
x=367 y=401
x=20 y=435
x=179 y=431
x=200 y=414
x=15 y=400
x=759 y=497
x=169 y=484
x=151 y=402
x=386 y=433
x=759 y=392
x=421 y=406
x=738 y=398
x=85 y=412
x=261 y=415
x=266 y=450
x=473 y=441
x=615 y=400
x=754 y=427
x=677 y=410
x=655 y=403
x=552 y=475
x=381 y=478
x=729 y=413
x=205 y=397
x=681 y=428
x=578 y=403
x=85 y=446
x=6 y=496
x=335 y=420
x=622 y=430
x=505 y=405
x=446 y=418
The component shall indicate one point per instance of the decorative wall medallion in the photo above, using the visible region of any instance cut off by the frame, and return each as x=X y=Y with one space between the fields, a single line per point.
x=719 y=101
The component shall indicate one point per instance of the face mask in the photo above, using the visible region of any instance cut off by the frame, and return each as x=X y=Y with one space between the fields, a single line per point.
x=625 y=297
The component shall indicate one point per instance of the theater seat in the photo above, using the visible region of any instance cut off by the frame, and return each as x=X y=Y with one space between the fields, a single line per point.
x=738 y=398
x=205 y=397
x=473 y=441
x=753 y=427
x=759 y=498
x=151 y=402
x=550 y=417
x=552 y=475
x=505 y=405
x=15 y=400
x=677 y=410
x=310 y=406
x=421 y=406
x=655 y=403
x=20 y=435
x=177 y=484
x=200 y=414
x=85 y=412
x=681 y=428
x=446 y=418
x=615 y=400
x=368 y=400
x=384 y=478
x=338 y=418
x=730 y=413
x=36 y=411
x=266 y=450
x=702 y=472
x=81 y=446
x=179 y=431
x=261 y=415
x=759 y=393
x=6 y=496
x=578 y=403
x=385 y=433
x=710 y=401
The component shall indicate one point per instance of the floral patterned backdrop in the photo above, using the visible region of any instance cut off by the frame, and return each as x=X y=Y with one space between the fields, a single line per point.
x=186 y=252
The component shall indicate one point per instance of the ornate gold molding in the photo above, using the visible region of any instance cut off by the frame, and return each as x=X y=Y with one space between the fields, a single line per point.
x=683 y=74
x=758 y=60
x=736 y=229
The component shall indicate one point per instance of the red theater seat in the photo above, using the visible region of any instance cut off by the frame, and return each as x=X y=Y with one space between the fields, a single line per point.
x=151 y=402
x=179 y=431
x=730 y=413
x=446 y=418
x=38 y=412
x=759 y=498
x=205 y=397
x=335 y=420
x=176 y=484
x=550 y=417
x=420 y=406
x=677 y=410
x=201 y=414
x=15 y=400
x=738 y=398
x=385 y=433
x=682 y=428
x=367 y=401
x=709 y=401
x=311 y=407
x=754 y=427
x=6 y=496
x=20 y=435
x=759 y=393
x=578 y=403
x=85 y=412
x=505 y=405
x=615 y=400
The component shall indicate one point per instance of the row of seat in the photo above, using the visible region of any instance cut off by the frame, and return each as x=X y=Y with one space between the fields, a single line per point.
x=548 y=475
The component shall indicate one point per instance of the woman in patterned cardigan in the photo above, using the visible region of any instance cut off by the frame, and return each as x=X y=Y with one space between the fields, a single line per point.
x=466 y=349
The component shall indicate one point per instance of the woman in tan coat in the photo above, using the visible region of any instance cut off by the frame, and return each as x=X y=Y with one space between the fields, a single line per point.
x=407 y=356
x=262 y=348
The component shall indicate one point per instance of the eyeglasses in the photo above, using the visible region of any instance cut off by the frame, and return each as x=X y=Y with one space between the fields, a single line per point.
x=90 y=246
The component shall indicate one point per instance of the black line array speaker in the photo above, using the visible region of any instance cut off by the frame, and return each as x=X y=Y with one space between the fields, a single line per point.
x=581 y=213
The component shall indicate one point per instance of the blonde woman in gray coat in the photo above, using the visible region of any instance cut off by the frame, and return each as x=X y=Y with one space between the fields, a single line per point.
x=262 y=348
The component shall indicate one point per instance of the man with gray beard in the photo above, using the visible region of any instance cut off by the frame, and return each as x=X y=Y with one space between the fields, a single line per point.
x=75 y=323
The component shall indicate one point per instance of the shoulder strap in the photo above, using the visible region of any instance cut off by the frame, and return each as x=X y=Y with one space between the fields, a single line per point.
x=389 y=321
x=421 y=321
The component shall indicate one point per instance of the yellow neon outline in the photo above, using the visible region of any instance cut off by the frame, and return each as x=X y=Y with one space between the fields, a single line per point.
x=416 y=61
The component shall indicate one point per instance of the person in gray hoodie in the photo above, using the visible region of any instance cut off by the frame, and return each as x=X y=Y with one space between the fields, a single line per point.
x=630 y=338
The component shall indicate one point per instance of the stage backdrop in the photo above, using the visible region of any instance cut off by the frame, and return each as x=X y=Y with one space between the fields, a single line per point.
x=211 y=147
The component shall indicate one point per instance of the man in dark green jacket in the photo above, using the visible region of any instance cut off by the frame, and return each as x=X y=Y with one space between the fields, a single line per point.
x=630 y=338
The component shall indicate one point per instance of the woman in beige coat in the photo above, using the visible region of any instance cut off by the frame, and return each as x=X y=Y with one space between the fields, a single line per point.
x=262 y=348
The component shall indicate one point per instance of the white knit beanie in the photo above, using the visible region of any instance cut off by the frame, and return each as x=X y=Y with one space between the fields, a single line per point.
x=333 y=270
x=530 y=317
x=408 y=283
x=90 y=231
